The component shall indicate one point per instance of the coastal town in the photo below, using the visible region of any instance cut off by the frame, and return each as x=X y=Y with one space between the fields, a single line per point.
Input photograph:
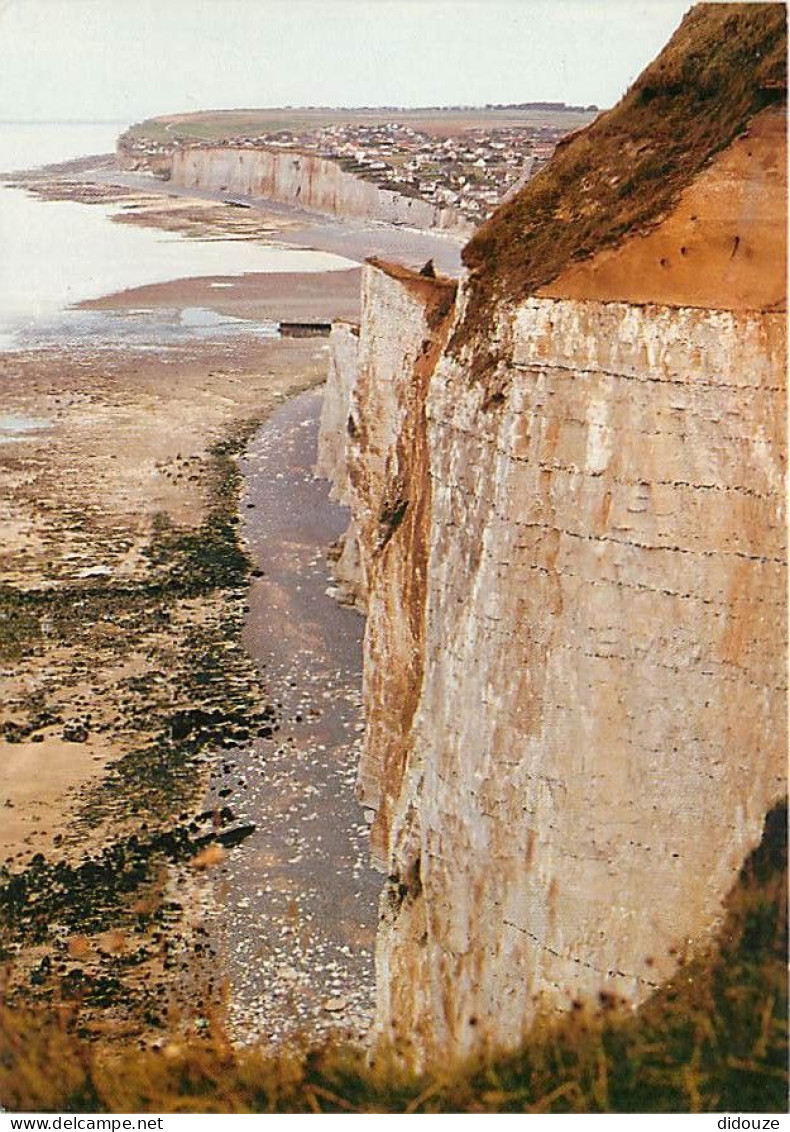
x=470 y=171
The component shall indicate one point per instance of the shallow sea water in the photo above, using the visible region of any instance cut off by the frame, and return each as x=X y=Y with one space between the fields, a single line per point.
x=17 y=426
x=55 y=254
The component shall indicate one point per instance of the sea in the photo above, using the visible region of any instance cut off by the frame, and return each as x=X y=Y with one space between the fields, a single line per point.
x=54 y=254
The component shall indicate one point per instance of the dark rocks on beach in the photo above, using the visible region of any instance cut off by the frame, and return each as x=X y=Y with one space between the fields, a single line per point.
x=17 y=732
x=76 y=732
x=229 y=838
x=90 y=896
x=195 y=692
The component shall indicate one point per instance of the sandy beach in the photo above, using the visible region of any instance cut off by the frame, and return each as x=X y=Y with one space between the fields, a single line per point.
x=139 y=697
x=122 y=606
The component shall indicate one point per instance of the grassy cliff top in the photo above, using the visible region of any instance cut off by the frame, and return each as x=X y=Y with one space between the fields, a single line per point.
x=624 y=172
x=438 y=121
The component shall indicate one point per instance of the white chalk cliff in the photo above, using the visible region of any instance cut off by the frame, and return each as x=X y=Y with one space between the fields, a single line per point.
x=569 y=506
x=307 y=180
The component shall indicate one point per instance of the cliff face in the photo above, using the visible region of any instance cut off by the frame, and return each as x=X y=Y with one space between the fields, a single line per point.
x=303 y=179
x=404 y=325
x=569 y=502
x=600 y=728
x=331 y=457
x=343 y=360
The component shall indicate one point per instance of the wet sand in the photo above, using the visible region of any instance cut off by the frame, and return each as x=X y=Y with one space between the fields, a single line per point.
x=279 y=296
x=99 y=505
x=201 y=213
x=122 y=675
x=299 y=917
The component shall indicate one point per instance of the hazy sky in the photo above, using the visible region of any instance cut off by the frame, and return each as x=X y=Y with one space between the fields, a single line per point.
x=129 y=59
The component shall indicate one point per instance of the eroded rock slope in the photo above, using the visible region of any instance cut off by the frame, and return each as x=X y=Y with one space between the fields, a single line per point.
x=568 y=496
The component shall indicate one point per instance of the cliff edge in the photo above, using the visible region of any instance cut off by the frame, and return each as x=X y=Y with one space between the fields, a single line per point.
x=567 y=487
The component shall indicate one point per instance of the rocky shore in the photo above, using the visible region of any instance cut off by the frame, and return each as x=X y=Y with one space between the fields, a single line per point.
x=121 y=610
x=133 y=718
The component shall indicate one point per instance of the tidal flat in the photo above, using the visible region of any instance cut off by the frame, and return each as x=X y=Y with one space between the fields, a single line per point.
x=121 y=611
x=168 y=733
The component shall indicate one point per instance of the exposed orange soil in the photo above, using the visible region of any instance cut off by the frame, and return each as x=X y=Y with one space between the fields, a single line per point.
x=723 y=246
